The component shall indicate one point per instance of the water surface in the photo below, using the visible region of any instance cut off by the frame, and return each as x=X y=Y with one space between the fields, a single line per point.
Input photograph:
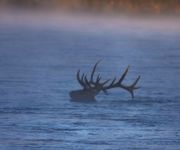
x=38 y=64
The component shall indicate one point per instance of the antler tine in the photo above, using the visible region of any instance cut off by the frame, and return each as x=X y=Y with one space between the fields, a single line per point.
x=87 y=82
x=80 y=80
x=132 y=87
x=104 y=90
x=93 y=71
x=135 y=82
x=105 y=82
x=98 y=79
x=111 y=85
x=123 y=75
x=113 y=81
x=77 y=75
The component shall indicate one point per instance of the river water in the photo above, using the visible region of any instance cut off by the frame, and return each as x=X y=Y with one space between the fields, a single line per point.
x=38 y=64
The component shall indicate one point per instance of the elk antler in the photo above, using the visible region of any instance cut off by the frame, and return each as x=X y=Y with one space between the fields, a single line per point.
x=91 y=84
x=118 y=83
x=100 y=86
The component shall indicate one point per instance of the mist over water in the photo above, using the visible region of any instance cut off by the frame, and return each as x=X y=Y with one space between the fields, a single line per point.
x=40 y=52
x=90 y=21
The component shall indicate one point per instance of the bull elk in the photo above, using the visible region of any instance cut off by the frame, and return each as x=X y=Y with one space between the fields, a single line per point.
x=92 y=87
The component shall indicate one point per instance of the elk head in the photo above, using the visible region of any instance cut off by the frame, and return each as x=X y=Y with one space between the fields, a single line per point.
x=92 y=87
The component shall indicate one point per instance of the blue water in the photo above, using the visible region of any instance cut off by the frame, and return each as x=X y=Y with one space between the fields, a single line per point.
x=37 y=71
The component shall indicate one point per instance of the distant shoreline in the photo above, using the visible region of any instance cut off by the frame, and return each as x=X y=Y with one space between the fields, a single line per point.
x=171 y=7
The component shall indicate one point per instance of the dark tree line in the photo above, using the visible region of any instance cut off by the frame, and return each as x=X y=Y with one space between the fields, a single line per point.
x=131 y=6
